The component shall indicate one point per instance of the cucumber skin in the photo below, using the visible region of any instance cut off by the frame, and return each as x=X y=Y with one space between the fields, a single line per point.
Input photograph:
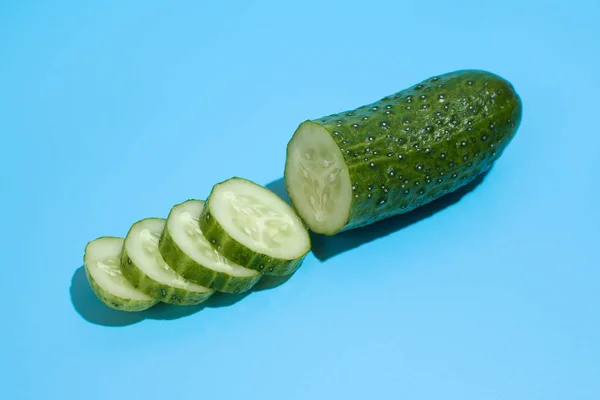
x=115 y=302
x=240 y=254
x=190 y=270
x=157 y=290
x=479 y=115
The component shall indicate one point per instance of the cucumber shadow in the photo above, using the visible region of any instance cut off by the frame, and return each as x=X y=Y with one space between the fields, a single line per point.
x=325 y=247
x=91 y=309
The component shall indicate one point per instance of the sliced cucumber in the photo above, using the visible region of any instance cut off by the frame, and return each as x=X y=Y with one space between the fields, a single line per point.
x=187 y=251
x=254 y=227
x=104 y=274
x=360 y=166
x=145 y=268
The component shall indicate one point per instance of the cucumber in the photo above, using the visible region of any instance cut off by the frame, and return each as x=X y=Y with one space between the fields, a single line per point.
x=254 y=227
x=357 y=167
x=102 y=267
x=186 y=250
x=145 y=268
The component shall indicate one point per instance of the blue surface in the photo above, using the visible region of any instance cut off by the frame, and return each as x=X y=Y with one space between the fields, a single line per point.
x=114 y=111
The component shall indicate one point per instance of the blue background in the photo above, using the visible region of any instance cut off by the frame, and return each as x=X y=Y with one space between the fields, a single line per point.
x=113 y=111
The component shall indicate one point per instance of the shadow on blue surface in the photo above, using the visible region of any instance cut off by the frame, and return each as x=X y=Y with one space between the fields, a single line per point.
x=325 y=247
x=93 y=310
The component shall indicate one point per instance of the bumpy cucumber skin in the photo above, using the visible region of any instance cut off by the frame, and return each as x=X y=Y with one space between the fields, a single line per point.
x=157 y=290
x=416 y=145
x=239 y=253
x=115 y=302
x=192 y=271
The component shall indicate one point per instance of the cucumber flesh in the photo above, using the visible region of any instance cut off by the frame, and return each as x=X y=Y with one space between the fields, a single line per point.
x=254 y=227
x=318 y=179
x=102 y=265
x=144 y=267
x=184 y=247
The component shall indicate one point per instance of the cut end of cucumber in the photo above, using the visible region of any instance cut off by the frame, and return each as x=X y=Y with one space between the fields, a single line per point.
x=184 y=229
x=102 y=261
x=141 y=245
x=317 y=179
x=258 y=219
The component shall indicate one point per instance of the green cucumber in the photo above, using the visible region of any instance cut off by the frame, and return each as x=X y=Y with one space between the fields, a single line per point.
x=357 y=167
x=102 y=268
x=145 y=268
x=187 y=251
x=254 y=227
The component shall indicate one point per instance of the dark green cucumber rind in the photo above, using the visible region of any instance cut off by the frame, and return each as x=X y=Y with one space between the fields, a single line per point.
x=157 y=290
x=240 y=254
x=413 y=147
x=115 y=302
x=192 y=271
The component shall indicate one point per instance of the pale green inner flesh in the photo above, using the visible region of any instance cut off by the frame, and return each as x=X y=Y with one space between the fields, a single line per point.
x=141 y=244
x=103 y=260
x=185 y=231
x=259 y=219
x=317 y=179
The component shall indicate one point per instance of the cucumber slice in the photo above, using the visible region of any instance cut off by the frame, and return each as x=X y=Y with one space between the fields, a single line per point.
x=187 y=251
x=145 y=268
x=254 y=227
x=104 y=274
x=357 y=167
